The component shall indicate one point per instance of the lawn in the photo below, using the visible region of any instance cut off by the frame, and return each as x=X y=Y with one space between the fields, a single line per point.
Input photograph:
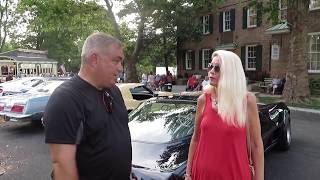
x=314 y=103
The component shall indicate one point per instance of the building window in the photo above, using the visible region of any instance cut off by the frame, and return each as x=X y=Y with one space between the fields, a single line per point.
x=314 y=4
x=226 y=21
x=275 y=52
x=252 y=17
x=205 y=58
x=251 y=57
x=283 y=6
x=205 y=24
x=314 y=54
x=188 y=59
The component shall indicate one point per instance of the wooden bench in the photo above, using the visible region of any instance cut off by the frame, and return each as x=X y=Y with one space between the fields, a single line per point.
x=265 y=84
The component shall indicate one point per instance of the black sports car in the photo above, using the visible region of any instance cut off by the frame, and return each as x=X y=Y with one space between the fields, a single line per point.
x=161 y=130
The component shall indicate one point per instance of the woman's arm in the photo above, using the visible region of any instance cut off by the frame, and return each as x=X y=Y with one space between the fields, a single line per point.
x=255 y=137
x=195 y=136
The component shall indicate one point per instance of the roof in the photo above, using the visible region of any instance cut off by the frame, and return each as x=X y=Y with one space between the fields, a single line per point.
x=281 y=28
x=27 y=55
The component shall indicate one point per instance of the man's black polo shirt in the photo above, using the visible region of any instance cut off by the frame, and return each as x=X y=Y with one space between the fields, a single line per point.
x=105 y=148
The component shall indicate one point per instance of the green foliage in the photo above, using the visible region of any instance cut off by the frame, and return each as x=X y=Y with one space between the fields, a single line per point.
x=61 y=27
x=314 y=85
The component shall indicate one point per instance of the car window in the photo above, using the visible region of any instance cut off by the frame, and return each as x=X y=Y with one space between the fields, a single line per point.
x=160 y=122
x=140 y=89
x=46 y=87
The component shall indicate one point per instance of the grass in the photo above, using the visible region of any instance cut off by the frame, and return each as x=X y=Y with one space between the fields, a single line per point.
x=314 y=103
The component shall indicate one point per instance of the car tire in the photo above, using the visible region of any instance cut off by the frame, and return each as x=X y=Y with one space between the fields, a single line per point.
x=285 y=135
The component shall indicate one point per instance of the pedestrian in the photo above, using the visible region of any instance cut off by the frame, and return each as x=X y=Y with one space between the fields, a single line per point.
x=86 y=121
x=226 y=114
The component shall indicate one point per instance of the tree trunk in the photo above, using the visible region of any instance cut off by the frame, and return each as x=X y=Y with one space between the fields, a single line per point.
x=165 y=51
x=132 y=61
x=297 y=83
x=113 y=19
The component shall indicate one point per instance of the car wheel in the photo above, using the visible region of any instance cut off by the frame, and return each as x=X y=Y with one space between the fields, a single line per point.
x=285 y=135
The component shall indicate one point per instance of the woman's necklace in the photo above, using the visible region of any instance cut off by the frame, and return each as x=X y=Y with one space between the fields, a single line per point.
x=214 y=101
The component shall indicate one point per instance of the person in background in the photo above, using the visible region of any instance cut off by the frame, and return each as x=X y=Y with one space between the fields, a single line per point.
x=144 y=79
x=192 y=83
x=205 y=82
x=86 y=121
x=226 y=114
x=151 y=83
x=276 y=83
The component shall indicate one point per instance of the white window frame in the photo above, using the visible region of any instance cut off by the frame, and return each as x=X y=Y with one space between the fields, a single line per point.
x=247 y=57
x=311 y=70
x=205 y=24
x=205 y=52
x=226 y=22
x=313 y=6
x=188 y=60
x=249 y=25
x=282 y=10
x=275 y=52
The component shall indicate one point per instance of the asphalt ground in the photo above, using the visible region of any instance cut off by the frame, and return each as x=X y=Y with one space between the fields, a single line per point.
x=24 y=156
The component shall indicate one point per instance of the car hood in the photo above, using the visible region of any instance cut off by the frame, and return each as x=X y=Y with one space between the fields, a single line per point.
x=163 y=157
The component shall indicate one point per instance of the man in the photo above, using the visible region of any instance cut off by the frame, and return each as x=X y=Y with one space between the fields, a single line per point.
x=86 y=122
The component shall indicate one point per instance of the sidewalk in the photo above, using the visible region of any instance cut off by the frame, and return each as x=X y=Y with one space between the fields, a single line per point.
x=181 y=88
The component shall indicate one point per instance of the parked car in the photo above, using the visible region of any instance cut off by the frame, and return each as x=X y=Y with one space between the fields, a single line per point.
x=161 y=131
x=135 y=93
x=20 y=85
x=30 y=105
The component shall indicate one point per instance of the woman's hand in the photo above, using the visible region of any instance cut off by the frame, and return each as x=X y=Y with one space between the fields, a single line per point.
x=187 y=178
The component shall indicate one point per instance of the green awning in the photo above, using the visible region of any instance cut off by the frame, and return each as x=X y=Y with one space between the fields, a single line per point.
x=279 y=29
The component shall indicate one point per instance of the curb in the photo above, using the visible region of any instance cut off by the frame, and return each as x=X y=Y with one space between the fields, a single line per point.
x=304 y=110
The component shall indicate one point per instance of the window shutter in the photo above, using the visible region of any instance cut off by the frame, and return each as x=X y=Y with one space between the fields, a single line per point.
x=211 y=51
x=184 y=62
x=244 y=17
x=221 y=22
x=201 y=24
x=193 y=60
x=259 y=14
x=259 y=58
x=211 y=23
x=233 y=19
x=243 y=56
x=200 y=59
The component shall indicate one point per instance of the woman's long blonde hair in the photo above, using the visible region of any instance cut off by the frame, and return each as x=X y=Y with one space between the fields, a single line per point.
x=232 y=89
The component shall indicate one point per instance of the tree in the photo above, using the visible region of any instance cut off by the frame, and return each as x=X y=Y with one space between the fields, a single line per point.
x=297 y=85
x=61 y=27
x=161 y=21
x=6 y=11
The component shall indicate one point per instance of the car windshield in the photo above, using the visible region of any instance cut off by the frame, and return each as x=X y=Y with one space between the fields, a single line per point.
x=46 y=87
x=160 y=122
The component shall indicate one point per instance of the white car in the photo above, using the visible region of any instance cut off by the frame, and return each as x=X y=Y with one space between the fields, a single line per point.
x=20 y=85
x=30 y=105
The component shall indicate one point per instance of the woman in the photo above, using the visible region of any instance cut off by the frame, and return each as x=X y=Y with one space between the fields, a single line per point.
x=218 y=148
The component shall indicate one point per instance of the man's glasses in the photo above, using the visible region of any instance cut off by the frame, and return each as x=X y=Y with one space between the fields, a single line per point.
x=215 y=67
x=107 y=101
